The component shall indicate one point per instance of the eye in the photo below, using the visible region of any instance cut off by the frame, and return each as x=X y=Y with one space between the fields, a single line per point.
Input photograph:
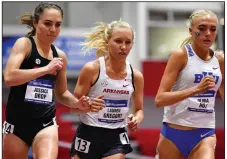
x=118 y=41
x=128 y=42
x=213 y=29
x=48 y=24
x=201 y=29
x=58 y=25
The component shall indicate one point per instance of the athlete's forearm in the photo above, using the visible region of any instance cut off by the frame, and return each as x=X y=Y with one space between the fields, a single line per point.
x=20 y=76
x=77 y=110
x=139 y=116
x=68 y=99
x=169 y=98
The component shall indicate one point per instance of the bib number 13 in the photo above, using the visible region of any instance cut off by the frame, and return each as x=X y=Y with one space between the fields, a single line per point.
x=82 y=145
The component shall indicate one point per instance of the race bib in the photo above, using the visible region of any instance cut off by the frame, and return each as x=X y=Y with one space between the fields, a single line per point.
x=203 y=103
x=114 y=112
x=8 y=128
x=39 y=91
x=124 y=138
x=82 y=145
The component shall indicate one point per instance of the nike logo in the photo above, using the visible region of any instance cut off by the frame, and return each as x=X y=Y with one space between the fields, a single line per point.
x=202 y=135
x=47 y=123
x=125 y=85
x=214 y=68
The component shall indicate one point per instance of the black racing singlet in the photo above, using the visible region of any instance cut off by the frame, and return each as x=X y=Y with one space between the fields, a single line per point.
x=34 y=99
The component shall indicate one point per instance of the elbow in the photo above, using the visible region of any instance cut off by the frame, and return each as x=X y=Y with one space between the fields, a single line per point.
x=8 y=81
x=58 y=97
x=158 y=102
x=61 y=96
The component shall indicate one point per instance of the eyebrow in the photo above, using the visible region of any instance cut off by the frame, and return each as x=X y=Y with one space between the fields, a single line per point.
x=52 y=21
x=202 y=25
x=119 y=38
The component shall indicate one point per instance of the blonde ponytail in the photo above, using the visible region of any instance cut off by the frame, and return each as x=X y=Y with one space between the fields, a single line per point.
x=99 y=36
x=97 y=39
x=188 y=40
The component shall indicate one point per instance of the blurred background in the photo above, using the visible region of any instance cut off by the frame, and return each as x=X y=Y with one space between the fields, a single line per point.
x=160 y=27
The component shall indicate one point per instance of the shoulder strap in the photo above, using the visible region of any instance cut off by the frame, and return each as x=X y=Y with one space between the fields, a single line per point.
x=55 y=53
x=189 y=50
x=102 y=66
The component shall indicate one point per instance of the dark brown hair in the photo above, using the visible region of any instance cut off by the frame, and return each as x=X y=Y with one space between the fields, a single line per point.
x=29 y=18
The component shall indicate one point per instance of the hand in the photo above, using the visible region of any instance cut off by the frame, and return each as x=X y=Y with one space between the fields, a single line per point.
x=55 y=64
x=132 y=123
x=84 y=104
x=97 y=104
x=205 y=84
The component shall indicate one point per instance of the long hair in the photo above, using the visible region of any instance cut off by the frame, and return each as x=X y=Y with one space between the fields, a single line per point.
x=100 y=33
x=28 y=19
x=191 y=20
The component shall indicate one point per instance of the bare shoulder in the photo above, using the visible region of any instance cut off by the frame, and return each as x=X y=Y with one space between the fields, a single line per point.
x=61 y=53
x=137 y=75
x=179 y=53
x=23 y=40
x=220 y=56
x=91 y=67
x=178 y=58
x=23 y=43
x=22 y=46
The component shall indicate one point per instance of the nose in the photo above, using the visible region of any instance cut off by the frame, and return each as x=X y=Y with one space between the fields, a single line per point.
x=208 y=32
x=123 y=46
x=53 y=28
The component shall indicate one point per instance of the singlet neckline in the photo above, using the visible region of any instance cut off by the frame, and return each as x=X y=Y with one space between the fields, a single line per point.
x=54 y=51
x=102 y=59
x=206 y=61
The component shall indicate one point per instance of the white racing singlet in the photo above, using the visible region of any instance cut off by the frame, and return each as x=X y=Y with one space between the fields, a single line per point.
x=198 y=110
x=117 y=94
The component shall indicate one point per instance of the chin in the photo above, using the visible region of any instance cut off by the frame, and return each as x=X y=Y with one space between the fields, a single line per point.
x=122 y=59
x=51 y=38
x=207 y=46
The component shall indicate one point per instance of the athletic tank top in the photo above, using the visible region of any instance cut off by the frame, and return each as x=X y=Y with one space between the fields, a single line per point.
x=34 y=99
x=198 y=110
x=117 y=94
